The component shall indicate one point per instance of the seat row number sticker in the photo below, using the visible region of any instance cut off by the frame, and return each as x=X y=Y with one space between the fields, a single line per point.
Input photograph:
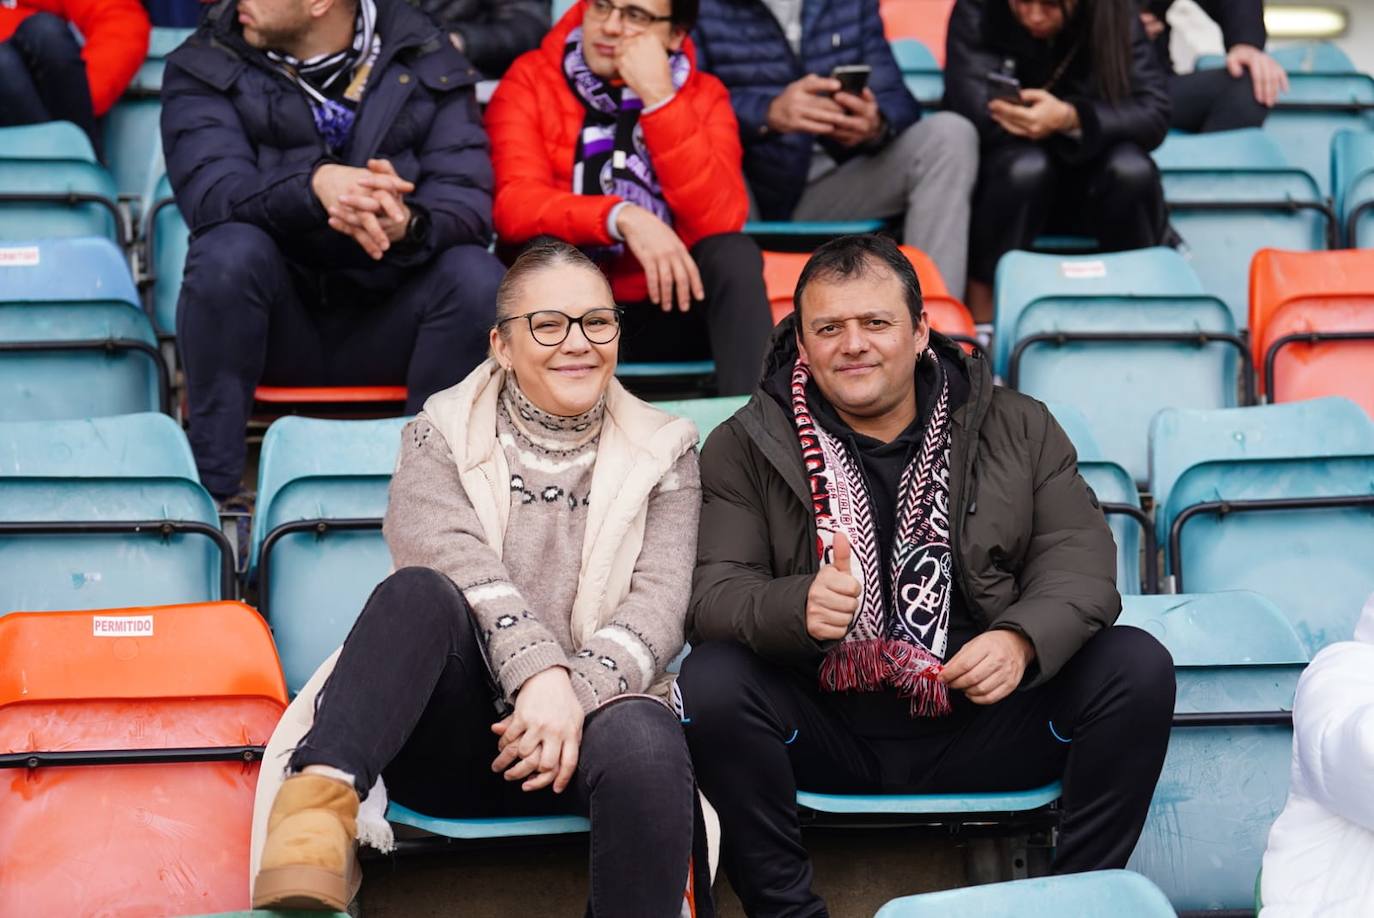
x=122 y=625
x=18 y=256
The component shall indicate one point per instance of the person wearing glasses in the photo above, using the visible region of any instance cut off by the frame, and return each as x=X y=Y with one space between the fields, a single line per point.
x=1069 y=98
x=609 y=137
x=542 y=521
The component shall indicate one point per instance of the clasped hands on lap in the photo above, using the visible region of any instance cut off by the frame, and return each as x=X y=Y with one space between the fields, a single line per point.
x=986 y=669
x=367 y=205
x=538 y=742
x=1038 y=115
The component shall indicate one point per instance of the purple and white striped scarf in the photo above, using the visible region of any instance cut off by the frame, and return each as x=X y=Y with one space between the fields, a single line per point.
x=900 y=648
x=611 y=156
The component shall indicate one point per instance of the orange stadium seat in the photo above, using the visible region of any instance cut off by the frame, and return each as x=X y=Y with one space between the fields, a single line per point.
x=1312 y=324
x=924 y=20
x=947 y=315
x=329 y=395
x=132 y=739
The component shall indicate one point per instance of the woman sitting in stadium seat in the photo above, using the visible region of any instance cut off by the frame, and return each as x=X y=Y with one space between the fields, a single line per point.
x=1069 y=98
x=542 y=522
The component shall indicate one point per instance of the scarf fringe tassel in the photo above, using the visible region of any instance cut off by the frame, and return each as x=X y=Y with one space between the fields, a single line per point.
x=869 y=666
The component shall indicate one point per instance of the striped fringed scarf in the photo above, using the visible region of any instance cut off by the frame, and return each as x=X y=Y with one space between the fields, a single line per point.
x=904 y=651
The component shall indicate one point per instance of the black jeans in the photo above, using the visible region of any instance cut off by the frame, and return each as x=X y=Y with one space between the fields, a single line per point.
x=248 y=314
x=43 y=78
x=758 y=731
x=411 y=698
x=1024 y=190
x=1213 y=100
x=732 y=325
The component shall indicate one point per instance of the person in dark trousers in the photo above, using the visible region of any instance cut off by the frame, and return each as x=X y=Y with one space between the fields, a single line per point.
x=1070 y=152
x=813 y=151
x=330 y=163
x=1236 y=96
x=48 y=73
x=904 y=585
x=492 y=33
x=610 y=137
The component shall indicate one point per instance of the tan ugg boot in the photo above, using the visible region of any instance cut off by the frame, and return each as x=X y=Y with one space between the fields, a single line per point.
x=310 y=857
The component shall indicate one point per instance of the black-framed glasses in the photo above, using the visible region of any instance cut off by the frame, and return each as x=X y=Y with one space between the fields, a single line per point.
x=550 y=327
x=631 y=15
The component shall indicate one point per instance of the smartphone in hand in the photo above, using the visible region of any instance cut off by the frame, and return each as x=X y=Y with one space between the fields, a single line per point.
x=853 y=77
x=1004 y=87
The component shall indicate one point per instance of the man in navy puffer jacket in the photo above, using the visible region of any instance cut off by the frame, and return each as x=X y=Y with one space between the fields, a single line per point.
x=329 y=160
x=814 y=153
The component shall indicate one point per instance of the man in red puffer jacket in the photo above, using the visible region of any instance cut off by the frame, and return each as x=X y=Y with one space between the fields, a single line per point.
x=609 y=137
x=47 y=74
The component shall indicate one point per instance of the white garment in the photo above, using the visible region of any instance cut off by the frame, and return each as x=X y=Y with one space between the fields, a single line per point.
x=639 y=445
x=1320 y=859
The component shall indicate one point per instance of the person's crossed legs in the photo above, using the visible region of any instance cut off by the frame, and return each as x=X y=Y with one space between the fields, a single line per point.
x=43 y=78
x=757 y=732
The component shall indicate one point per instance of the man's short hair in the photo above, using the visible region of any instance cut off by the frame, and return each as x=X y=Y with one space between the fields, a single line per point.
x=684 y=13
x=852 y=256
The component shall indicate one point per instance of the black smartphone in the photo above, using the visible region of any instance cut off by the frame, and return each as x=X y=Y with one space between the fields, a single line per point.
x=853 y=77
x=1004 y=87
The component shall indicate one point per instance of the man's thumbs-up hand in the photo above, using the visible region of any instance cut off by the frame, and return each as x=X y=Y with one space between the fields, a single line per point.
x=834 y=595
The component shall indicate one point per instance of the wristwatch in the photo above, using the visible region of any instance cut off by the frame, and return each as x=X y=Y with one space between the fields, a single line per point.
x=418 y=229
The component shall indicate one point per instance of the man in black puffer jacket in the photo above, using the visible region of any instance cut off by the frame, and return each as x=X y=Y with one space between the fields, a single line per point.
x=331 y=165
x=904 y=585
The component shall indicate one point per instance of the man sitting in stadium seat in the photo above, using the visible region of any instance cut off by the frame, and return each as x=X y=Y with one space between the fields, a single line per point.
x=813 y=151
x=328 y=158
x=492 y=33
x=609 y=137
x=1238 y=95
x=904 y=585
x=46 y=74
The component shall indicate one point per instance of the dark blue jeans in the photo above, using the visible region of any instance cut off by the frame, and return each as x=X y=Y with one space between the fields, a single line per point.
x=249 y=314
x=42 y=77
x=411 y=699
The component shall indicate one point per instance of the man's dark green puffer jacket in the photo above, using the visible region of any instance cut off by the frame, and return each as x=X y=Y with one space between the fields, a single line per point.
x=1032 y=550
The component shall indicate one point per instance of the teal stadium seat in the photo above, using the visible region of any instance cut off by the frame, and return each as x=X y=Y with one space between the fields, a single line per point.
x=167 y=239
x=1118 y=336
x=1352 y=165
x=74 y=342
x=1232 y=193
x=706 y=413
x=1116 y=491
x=805 y=235
x=133 y=134
x=920 y=71
x=1118 y=893
x=1299 y=57
x=105 y=513
x=317 y=531
x=1314 y=110
x=52 y=186
x=1276 y=499
x=1225 y=779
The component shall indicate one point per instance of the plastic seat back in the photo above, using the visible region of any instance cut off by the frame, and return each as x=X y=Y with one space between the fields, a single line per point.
x=1119 y=385
x=1297 y=293
x=1023 y=277
x=317 y=581
x=1180 y=438
x=1299 y=57
x=926 y=21
x=52 y=162
x=1305 y=134
x=1118 y=893
x=1312 y=561
x=1225 y=778
x=1352 y=175
x=706 y=413
x=169 y=240
x=104 y=473
x=921 y=72
x=132 y=839
x=101 y=358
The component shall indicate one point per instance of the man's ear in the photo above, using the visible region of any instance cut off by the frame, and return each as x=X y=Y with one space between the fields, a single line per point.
x=921 y=336
x=801 y=347
x=676 y=37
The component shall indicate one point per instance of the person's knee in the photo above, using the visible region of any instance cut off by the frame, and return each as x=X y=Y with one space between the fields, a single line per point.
x=1145 y=670
x=1237 y=99
x=711 y=680
x=1130 y=173
x=736 y=251
x=13 y=70
x=428 y=598
x=232 y=255
x=1029 y=171
x=467 y=277
x=49 y=37
x=945 y=143
x=637 y=743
